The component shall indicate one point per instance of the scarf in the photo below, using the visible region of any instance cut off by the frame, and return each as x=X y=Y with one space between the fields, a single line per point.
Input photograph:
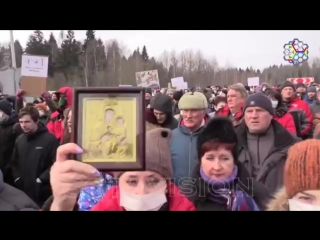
x=222 y=192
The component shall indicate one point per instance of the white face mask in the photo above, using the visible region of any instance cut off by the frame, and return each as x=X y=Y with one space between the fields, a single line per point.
x=41 y=113
x=3 y=116
x=149 y=202
x=295 y=205
x=274 y=104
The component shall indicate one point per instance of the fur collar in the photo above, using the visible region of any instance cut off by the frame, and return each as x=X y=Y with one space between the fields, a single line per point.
x=279 y=202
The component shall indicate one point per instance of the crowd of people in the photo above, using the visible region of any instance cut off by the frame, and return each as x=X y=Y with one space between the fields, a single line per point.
x=231 y=148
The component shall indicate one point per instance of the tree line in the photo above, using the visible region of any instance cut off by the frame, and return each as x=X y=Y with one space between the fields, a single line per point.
x=94 y=62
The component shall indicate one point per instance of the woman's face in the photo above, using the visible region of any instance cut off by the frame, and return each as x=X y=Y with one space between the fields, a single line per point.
x=54 y=97
x=141 y=183
x=308 y=197
x=217 y=164
x=41 y=112
x=148 y=96
x=69 y=121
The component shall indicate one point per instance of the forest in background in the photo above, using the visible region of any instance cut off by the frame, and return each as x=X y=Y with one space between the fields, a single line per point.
x=97 y=62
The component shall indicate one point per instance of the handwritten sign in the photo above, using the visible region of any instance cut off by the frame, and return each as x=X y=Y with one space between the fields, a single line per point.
x=253 y=82
x=34 y=66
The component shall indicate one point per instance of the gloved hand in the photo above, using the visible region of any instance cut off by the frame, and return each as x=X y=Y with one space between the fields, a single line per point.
x=19 y=94
x=45 y=95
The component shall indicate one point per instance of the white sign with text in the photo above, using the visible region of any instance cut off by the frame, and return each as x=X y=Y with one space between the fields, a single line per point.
x=34 y=66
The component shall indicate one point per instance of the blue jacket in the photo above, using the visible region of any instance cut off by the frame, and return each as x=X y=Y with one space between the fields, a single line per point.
x=184 y=155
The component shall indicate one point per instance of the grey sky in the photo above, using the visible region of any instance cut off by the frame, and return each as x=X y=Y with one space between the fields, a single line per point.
x=258 y=49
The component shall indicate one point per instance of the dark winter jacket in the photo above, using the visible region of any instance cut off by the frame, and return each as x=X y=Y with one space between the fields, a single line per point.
x=8 y=134
x=33 y=156
x=270 y=172
x=12 y=199
x=44 y=118
x=164 y=104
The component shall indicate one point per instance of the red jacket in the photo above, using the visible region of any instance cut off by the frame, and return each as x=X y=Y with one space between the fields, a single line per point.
x=297 y=103
x=287 y=122
x=225 y=112
x=55 y=125
x=177 y=201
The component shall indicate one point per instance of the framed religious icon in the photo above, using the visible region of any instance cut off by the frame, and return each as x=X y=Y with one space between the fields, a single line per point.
x=109 y=124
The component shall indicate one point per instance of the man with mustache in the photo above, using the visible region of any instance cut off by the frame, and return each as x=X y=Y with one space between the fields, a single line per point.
x=193 y=107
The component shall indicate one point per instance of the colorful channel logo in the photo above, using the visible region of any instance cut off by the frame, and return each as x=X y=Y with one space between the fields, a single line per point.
x=296 y=52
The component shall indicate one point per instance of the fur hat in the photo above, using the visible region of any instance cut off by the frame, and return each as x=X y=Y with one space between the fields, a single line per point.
x=221 y=129
x=193 y=100
x=302 y=167
x=158 y=154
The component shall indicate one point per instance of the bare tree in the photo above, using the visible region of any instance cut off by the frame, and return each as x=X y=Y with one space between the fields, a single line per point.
x=199 y=61
x=214 y=63
x=183 y=61
x=61 y=38
x=174 y=62
x=123 y=50
x=190 y=60
x=165 y=59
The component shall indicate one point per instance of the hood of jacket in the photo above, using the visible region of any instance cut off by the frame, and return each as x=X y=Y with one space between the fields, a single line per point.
x=279 y=201
x=41 y=129
x=162 y=103
x=68 y=92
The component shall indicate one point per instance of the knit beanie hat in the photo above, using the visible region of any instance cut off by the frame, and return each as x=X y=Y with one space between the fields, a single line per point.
x=193 y=101
x=312 y=89
x=287 y=84
x=302 y=167
x=5 y=107
x=220 y=129
x=300 y=85
x=259 y=100
x=158 y=154
x=41 y=106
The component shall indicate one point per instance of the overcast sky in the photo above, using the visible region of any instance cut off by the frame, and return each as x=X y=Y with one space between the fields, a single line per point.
x=258 y=49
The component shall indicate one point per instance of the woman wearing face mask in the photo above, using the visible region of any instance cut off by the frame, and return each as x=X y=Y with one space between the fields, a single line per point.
x=281 y=112
x=149 y=190
x=301 y=191
x=43 y=113
x=222 y=183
